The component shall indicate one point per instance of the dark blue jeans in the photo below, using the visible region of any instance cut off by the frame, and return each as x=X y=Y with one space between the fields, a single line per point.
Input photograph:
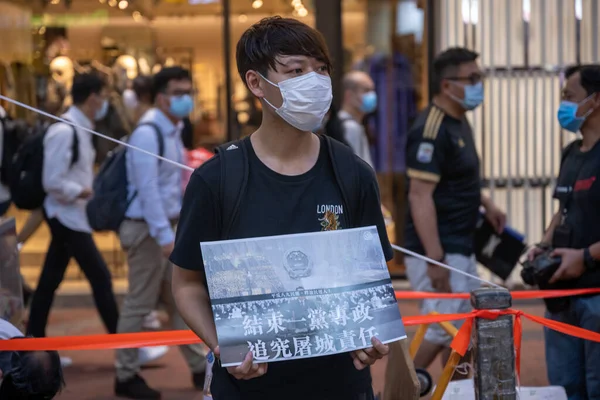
x=571 y=362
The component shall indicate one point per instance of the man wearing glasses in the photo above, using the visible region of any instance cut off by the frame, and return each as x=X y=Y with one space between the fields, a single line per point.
x=444 y=193
x=148 y=232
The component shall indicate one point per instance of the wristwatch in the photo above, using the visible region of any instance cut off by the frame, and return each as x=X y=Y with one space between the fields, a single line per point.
x=588 y=261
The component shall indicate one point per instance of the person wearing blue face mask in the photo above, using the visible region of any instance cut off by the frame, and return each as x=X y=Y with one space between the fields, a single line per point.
x=444 y=193
x=574 y=236
x=148 y=232
x=360 y=99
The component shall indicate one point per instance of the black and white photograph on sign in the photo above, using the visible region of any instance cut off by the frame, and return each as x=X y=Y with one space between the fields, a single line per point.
x=300 y=296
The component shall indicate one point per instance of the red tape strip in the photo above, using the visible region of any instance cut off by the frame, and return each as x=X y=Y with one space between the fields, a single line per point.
x=176 y=338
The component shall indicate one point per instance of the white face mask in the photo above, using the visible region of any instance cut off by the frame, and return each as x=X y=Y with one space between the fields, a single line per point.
x=130 y=99
x=306 y=100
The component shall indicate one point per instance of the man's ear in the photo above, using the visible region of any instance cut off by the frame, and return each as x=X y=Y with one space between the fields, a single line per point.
x=253 y=81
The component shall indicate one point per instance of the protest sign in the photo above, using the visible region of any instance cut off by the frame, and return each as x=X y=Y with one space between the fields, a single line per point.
x=299 y=296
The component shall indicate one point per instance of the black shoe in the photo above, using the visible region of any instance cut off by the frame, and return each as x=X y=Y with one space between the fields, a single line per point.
x=198 y=379
x=136 y=388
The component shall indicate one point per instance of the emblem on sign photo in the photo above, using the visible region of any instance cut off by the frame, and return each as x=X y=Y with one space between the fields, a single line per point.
x=425 y=153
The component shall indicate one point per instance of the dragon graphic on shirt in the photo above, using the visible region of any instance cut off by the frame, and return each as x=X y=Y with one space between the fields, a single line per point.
x=330 y=221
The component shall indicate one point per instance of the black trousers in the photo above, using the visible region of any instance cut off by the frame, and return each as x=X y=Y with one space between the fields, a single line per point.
x=67 y=243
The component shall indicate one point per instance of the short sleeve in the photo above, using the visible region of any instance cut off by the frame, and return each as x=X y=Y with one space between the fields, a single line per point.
x=197 y=223
x=371 y=208
x=425 y=149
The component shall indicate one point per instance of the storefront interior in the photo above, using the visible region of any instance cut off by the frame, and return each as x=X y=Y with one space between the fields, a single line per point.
x=57 y=39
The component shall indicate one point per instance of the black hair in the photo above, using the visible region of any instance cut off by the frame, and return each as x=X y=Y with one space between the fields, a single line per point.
x=334 y=126
x=187 y=134
x=35 y=375
x=589 y=77
x=142 y=86
x=271 y=37
x=161 y=79
x=447 y=63
x=84 y=85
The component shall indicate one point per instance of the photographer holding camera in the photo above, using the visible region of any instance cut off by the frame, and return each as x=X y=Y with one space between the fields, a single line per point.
x=569 y=255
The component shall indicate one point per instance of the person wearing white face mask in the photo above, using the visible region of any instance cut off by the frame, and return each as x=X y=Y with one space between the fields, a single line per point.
x=289 y=186
x=67 y=176
x=360 y=99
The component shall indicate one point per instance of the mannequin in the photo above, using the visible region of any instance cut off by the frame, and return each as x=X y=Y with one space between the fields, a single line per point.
x=125 y=70
x=62 y=71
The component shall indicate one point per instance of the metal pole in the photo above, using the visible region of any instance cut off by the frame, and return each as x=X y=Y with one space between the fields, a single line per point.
x=507 y=150
x=578 y=16
x=459 y=17
x=480 y=10
x=231 y=135
x=526 y=14
x=432 y=38
x=492 y=119
x=594 y=22
x=493 y=347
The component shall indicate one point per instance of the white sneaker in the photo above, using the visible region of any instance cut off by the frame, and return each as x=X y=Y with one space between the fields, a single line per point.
x=149 y=354
x=66 y=362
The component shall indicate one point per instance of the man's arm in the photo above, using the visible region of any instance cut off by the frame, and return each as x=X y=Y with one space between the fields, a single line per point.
x=423 y=212
x=493 y=214
x=425 y=158
x=144 y=176
x=193 y=303
x=58 y=153
x=198 y=223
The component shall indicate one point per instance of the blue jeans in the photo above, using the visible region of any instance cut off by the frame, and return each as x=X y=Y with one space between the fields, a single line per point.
x=571 y=362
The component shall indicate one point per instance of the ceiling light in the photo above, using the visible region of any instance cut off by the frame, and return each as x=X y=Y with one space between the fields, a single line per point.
x=302 y=12
x=137 y=16
x=256 y=4
x=296 y=3
x=112 y=3
x=123 y=4
x=243 y=18
x=54 y=2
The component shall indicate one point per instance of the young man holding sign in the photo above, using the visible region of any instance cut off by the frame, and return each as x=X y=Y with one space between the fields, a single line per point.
x=290 y=187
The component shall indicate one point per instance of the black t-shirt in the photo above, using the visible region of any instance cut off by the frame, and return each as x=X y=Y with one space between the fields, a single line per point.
x=275 y=204
x=441 y=149
x=576 y=188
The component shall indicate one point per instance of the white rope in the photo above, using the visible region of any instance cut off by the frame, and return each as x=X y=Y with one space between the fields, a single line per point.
x=182 y=166
x=122 y=143
x=440 y=264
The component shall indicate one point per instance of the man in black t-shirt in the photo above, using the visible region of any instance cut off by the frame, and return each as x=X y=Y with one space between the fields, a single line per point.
x=574 y=233
x=444 y=193
x=291 y=189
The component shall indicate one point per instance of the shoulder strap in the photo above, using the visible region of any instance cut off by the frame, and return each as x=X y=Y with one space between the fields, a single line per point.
x=568 y=149
x=234 y=178
x=159 y=137
x=74 y=144
x=345 y=169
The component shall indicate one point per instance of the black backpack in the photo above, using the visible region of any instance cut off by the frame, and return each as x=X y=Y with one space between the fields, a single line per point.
x=106 y=209
x=14 y=134
x=25 y=180
x=234 y=179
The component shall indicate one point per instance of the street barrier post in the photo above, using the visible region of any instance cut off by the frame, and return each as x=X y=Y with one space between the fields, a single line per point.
x=493 y=347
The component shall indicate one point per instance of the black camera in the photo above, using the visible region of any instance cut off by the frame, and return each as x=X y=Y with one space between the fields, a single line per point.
x=540 y=270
